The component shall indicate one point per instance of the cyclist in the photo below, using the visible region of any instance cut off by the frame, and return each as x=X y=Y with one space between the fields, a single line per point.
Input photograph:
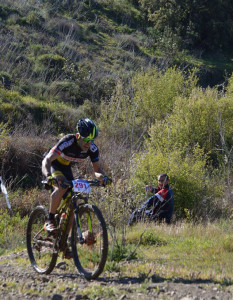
x=160 y=206
x=57 y=163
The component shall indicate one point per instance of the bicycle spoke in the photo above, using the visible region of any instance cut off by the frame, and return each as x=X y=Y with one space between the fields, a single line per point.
x=40 y=247
x=90 y=257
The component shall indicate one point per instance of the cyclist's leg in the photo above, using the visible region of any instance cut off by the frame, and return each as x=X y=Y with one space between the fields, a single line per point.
x=55 y=199
x=60 y=173
x=57 y=193
x=64 y=173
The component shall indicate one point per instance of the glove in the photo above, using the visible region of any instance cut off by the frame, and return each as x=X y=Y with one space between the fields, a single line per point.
x=106 y=181
x=49 y=179
x=49 y=182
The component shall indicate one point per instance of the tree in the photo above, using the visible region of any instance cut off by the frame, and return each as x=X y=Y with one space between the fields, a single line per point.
x=203 y=24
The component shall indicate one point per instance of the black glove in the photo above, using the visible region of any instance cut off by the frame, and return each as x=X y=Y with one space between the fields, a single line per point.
x=49 y=182
x=49 y=179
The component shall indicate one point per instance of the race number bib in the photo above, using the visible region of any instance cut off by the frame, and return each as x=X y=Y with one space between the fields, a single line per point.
x=81 y=186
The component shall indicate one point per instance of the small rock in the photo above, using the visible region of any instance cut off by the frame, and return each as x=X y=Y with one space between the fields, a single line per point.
x=44 y=279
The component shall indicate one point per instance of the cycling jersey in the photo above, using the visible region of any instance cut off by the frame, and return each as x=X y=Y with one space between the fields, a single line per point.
x=69 y=151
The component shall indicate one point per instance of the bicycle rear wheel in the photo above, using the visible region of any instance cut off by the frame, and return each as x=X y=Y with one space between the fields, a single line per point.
x=90 y=257
x=40 y=248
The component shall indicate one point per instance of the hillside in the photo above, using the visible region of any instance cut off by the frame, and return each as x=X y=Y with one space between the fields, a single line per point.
x=76 y=50
x=156 y=77
x=71 y=51
x=144 y=71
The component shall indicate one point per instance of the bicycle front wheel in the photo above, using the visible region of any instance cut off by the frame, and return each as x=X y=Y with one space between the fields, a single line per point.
x=40 y=248
x=90 y=257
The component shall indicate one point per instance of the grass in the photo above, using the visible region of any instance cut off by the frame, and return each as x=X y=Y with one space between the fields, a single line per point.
x=186 y=251
x=181 y=252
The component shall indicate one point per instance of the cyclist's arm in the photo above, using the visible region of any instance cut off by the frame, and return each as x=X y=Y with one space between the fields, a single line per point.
x=46 y=163
x=99 y=172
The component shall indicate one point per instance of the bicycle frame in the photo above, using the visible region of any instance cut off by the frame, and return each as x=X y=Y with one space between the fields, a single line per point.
x=67 y=204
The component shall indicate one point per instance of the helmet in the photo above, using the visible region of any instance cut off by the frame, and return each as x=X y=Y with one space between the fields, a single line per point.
x=87 y=128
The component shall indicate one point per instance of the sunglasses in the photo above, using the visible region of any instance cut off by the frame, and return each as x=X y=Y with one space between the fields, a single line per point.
x=87 y=140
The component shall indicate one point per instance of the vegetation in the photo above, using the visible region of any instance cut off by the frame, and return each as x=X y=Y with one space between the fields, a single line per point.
x=156 y=78
x=182 y=253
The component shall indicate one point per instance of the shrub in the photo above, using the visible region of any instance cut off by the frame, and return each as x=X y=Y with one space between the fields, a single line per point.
x=52 y=61
x=128 y=42
x=66 y=27
x=131 y=110
x=203 y=118
x=65 y=91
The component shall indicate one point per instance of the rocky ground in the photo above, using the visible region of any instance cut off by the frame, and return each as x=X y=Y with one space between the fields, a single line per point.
x=19 y=281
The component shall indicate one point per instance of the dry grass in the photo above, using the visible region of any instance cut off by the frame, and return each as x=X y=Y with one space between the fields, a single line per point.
x=187 y=251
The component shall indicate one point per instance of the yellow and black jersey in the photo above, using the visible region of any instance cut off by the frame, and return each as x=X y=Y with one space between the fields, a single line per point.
x=69 y=151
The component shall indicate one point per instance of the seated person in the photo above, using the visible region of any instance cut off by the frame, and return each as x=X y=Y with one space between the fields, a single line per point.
x=159 y=207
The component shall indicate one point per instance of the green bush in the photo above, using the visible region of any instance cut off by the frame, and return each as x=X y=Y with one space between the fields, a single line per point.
x=203 y=118
x=150 y=238
x=5 y=75
x=131 y=110
x=121 y=252
x=66 y=91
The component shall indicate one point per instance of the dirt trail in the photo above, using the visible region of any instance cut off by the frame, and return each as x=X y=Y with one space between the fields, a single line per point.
x=21 y=282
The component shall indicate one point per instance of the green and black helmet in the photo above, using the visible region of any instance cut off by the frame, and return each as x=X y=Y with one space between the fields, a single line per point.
x=87 y=129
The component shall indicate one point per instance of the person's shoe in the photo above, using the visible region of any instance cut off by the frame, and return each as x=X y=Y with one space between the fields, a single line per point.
x=50 y=227
x=68 y=253
x=89 y=237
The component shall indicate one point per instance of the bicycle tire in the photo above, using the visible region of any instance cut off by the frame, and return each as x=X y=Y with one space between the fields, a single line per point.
x=89 y=258
x=40 y=250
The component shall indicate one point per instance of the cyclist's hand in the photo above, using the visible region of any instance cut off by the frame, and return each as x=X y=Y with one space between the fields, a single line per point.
x=106 y=181
x=49 y=180
x=48 y=183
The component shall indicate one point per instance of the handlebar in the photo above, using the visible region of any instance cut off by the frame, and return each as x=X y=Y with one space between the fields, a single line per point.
x=67 y=183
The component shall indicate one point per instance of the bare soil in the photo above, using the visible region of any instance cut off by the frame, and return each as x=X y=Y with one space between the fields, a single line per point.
x=18 y=281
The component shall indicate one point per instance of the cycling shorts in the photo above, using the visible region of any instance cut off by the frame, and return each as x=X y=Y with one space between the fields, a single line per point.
x=59 y=169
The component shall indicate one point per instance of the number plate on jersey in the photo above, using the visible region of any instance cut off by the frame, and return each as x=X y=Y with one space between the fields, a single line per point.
x=81 y=186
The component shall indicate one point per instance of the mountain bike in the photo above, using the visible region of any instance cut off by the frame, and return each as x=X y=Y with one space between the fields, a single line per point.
x=89 y=238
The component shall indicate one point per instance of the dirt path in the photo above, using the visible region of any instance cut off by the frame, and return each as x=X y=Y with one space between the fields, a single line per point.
x=18 y=281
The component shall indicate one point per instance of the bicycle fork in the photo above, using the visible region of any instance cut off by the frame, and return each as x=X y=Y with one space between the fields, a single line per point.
x=78 y=222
